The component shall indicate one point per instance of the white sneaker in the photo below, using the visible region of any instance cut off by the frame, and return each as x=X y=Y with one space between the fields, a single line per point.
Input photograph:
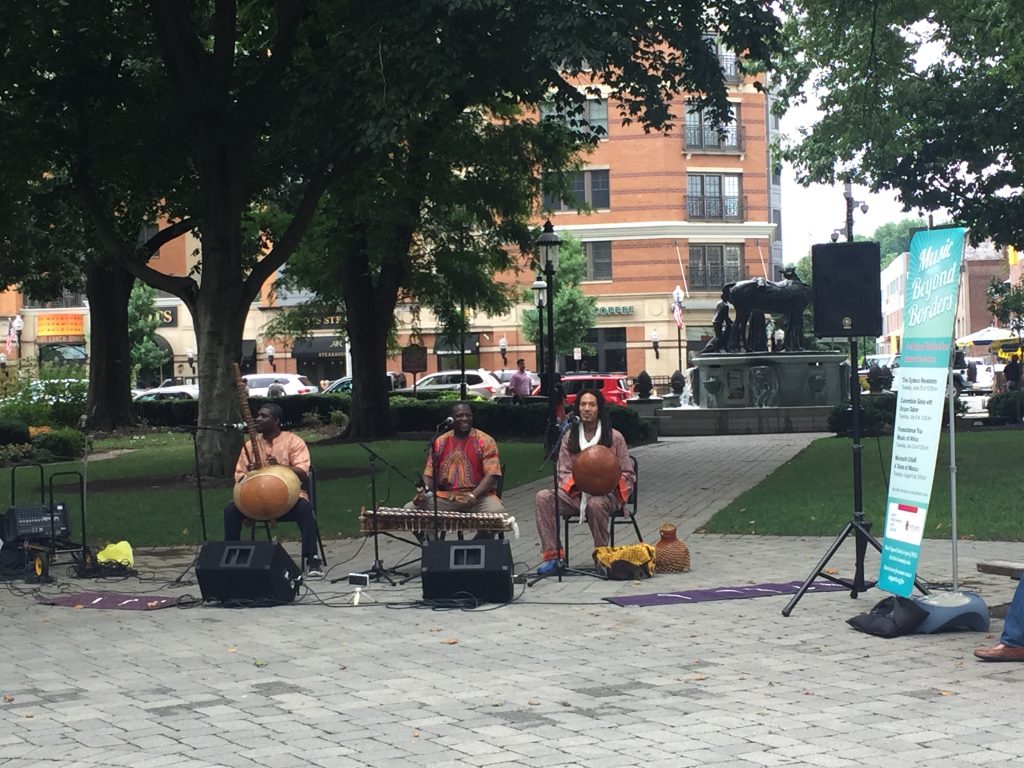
x=314 y=568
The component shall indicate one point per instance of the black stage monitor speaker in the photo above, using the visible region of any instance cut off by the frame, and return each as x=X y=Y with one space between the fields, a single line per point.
x=480 y=568
x=250 y=572
x=847 y=289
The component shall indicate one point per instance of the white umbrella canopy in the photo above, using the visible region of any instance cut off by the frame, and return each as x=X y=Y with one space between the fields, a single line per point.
x=985 y=336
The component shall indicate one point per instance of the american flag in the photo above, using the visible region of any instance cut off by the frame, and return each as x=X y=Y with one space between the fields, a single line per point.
x=10 y=335
x=677 y=306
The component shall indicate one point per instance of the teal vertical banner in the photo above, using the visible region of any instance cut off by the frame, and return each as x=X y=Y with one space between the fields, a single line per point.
x=933 y=284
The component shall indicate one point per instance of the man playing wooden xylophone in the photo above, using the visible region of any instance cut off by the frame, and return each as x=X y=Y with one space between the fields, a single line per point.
x=468 y=469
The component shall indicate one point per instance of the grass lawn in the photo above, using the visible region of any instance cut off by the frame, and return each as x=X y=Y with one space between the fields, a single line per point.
x=812 y=494
x=147 y=494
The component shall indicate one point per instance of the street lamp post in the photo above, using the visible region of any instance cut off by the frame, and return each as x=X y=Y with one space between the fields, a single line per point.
x=19 y=326
x=540 y=297
x=850 y=203
x=547 y=251
x=655 y=341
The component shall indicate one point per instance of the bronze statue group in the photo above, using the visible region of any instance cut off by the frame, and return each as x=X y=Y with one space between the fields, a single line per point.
x=755 y=300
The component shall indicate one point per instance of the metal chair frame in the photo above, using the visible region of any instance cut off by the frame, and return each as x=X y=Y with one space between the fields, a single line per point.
x=614 y=520
x=311 y=490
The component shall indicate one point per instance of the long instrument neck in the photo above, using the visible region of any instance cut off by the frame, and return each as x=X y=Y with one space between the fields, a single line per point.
x=250 y=423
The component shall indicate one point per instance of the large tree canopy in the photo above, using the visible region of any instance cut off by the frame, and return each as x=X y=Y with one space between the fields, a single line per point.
x=917 y=97
x=210 y=113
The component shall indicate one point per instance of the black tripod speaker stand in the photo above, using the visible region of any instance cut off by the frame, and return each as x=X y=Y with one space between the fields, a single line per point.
x=562 y=568
x=194 y=432
x=858 y=526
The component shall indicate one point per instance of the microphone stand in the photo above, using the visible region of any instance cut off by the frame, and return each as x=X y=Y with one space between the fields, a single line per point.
x=377 y=571
x=563 y=568
x=194 y=430
x=441 y=428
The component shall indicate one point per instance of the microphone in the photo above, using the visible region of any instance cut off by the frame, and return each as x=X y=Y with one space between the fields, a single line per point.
x=446 y=424
x=240 y=426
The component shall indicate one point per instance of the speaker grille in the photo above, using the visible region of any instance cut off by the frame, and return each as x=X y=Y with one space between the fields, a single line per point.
x=847 y=289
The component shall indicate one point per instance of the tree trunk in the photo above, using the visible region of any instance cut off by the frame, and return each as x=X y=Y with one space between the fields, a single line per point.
x=370 y=299
x=221 y=308
x=110 y=402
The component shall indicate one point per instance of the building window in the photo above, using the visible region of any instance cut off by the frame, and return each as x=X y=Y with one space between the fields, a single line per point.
x=146 y=234
x=594 y=116
x=590 y=187
x=712 y=266
x=66 y=300
x=599 y=260
x=609 y=351
x=777 y=221
x=728 y=60
x=713 y=196
x=704 y=135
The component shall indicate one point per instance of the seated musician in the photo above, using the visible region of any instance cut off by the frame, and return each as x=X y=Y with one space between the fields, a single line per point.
x=468 y=469
x=289 y=450
x=593 y=428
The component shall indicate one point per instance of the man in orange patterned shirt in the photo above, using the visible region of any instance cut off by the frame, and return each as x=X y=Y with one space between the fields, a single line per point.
x=468 y=469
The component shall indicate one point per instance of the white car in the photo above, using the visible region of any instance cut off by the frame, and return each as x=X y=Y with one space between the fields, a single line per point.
x=278 y=384
x=479 y=383
x=183 y=392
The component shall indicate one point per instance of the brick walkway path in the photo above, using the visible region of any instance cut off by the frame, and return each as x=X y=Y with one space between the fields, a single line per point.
x=558 y=678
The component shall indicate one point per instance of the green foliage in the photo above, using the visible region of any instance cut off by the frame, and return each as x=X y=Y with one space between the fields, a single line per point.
x=53 y=402
x=878 y=415
x=12 y=430
x=1006 y=303
x=914 y=98
x=1007 y=405
x=59 y=444
x=142 y=325
x=574 y=310
x=893 y=238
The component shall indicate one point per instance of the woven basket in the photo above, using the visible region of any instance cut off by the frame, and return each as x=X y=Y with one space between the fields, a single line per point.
x=671 y=554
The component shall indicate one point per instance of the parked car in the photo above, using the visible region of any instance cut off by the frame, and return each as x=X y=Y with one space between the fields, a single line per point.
x=278 y=384
x=479 y=383
x=182 y=392
x=338 y=386
x=614 y=386
x=395 y=380
x=505 y=375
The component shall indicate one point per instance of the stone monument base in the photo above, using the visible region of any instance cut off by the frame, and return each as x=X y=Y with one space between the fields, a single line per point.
x=725 y=380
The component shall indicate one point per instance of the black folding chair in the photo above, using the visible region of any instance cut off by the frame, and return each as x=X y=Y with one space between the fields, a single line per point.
x=619 y=518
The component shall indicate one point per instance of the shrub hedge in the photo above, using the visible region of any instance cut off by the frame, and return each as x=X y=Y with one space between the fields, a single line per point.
x=500 y=420
x=1007 y=405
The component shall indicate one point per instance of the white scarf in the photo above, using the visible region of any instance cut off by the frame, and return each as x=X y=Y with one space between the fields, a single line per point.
x=584 y=444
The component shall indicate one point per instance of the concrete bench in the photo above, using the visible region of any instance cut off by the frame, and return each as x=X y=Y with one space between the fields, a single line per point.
x=1002 y=568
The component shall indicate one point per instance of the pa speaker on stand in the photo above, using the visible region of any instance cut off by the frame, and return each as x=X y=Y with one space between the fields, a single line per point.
x=847 y=289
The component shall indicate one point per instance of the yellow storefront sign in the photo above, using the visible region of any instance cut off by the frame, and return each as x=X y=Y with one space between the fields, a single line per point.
x=48 y=326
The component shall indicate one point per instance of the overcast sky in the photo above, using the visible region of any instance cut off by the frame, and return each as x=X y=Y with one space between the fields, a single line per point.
x=810 y=214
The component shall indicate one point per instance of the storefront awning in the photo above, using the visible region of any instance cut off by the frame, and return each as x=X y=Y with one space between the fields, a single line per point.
x=319 y=346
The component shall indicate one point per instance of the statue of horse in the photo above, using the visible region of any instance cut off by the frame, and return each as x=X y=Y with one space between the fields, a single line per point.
x=787 y=297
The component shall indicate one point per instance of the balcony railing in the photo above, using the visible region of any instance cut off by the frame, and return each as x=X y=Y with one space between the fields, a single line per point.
x=707 y=208
x=714 y=276
x=707 y=138
x=730 y=66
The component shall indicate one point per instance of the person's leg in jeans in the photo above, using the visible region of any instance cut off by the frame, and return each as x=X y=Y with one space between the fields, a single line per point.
x=302 y=514
x=1013 y=625
x=232 y=523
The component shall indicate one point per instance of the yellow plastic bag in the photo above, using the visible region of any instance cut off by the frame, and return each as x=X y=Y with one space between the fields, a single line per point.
x=121 y=552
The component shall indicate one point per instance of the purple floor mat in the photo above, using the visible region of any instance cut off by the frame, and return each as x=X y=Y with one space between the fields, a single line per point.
x=119 y=600
x=723 y=593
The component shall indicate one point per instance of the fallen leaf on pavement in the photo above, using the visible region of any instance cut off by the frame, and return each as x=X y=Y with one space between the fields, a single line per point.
x=450 y=641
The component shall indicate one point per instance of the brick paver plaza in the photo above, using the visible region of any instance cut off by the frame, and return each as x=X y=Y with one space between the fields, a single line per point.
x=558 y=678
